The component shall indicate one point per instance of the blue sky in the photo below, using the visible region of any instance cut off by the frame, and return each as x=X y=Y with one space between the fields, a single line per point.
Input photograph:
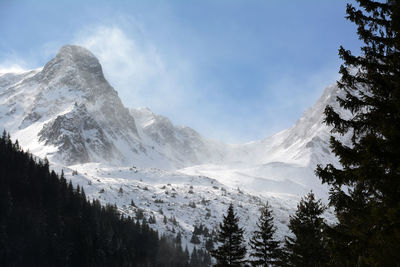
x=233 y=70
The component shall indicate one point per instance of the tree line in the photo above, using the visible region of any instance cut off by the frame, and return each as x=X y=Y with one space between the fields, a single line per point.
x=304 y=247
x=46 y=221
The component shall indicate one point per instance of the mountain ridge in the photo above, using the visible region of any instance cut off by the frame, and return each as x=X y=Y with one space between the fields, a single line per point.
x=76 y=72
x=68 y=112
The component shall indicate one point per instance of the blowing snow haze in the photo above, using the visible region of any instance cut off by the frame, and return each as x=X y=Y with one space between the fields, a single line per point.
x=226 y=64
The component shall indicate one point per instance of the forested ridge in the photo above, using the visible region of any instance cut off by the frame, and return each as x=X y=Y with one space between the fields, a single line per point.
x=45 y=221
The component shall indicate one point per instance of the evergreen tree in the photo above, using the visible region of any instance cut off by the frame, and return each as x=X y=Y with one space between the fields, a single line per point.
x=231 y=250
x=195 y=239
x=195 y=260
x=366 y=188
x=265 y=250
x=186 y=254
x=205 y=258
x=306 y=247
x=209 y=244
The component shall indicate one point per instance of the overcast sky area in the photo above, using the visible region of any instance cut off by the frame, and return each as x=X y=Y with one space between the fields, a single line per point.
x=235 y=71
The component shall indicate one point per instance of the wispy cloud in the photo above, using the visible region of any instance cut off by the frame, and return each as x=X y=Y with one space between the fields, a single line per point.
x=8 y=67
x=12 y=63
x=136 y=68
x=145 y=74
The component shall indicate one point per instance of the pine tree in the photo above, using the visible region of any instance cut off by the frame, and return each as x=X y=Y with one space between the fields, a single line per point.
x=231 y=250
x=265 y=250
x=209 y=244
x=195 y=239
x=195 y=259
x=305 y=247
x=366 y=188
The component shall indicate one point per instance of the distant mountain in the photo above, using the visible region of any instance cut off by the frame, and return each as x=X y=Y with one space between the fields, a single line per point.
x=283 y=163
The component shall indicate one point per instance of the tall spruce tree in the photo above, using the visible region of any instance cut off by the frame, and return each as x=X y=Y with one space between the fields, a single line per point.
x=231 y=250
x=306 y=247
x=366 y=188
x=265 y=249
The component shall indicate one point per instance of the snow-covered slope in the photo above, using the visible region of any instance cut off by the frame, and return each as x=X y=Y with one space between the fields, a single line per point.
x=178 y=202
x=68 y=112
x=182 y=145
x=284 y=163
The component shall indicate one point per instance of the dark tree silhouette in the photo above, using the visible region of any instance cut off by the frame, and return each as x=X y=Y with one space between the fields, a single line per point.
x=231 y=250
x=265 y=249
x=306 y=247
x=366 y=188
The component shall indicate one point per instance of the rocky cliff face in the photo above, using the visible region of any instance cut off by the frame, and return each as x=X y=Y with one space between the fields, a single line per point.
x=78 y=136
x=70 y=105
x=181 y=144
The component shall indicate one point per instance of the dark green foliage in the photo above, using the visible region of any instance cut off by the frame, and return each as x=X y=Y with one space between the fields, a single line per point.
x=200 y=258
x=231 y=250
x=194 y=258
x=306 y=247
x=201 y=230
x=45 y=221
x=178 y=239
x=265 y=249
x=152 y=219
x=139 y=214
x=366 y=189
x=195 y=239
x=209 y=244
x=170 y=254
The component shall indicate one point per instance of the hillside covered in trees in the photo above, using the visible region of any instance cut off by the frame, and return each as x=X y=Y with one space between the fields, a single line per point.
x=45 y=221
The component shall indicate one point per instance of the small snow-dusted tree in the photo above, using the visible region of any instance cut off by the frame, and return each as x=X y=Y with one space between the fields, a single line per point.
x=152 y=219
x=139 y=214
x=195 y=239
x=231 y=250
x=265 y=249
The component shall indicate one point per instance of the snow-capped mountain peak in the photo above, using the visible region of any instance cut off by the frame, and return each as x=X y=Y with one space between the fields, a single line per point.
x=69 y=106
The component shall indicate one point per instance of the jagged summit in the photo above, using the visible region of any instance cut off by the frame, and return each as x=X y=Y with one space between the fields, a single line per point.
x=77 y=56
x=75 y=51
x=76 y=67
